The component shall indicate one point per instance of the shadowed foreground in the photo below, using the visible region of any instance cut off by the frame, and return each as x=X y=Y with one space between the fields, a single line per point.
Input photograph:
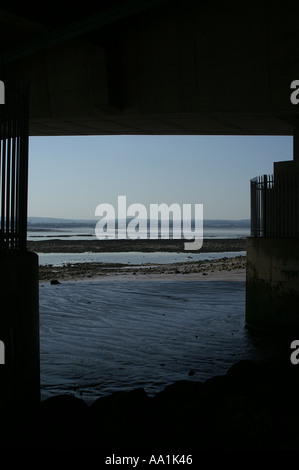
x=251 y=407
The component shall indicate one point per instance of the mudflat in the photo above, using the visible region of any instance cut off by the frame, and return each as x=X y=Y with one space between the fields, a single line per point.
x=213 y=245
x=230 y=269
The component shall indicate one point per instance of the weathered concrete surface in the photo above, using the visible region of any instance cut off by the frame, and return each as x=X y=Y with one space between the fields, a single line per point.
x=19 y=330
x=272 y=282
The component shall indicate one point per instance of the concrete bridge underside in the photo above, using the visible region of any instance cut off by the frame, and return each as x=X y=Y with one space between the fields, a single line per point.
x=155 y=66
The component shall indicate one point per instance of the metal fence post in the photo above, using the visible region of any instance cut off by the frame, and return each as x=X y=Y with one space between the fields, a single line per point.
x=14 y=132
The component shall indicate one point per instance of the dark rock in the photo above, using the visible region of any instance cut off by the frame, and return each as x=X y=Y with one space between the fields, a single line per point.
x=180 y=391
x=123 y=420
x=54 y=282
x=135 y=398
x=63 y=422
x=251 y=407
x=245 y=373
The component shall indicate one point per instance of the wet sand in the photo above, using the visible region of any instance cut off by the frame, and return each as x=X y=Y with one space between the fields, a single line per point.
x=230 y=269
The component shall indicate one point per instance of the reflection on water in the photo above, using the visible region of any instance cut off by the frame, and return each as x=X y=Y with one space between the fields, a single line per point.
x=99 y=337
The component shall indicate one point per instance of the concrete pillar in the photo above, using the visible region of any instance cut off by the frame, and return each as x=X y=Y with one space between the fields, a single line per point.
x=272 y=282
x=19 y=331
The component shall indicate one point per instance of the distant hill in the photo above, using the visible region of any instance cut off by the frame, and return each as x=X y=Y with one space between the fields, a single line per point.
x=245 y=223
x=52 y=221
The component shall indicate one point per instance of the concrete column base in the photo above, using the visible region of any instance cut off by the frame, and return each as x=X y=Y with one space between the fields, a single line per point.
x=19 y=331
x=272 y=282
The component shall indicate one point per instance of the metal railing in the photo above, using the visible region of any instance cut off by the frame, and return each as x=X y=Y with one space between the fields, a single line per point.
x=14 y=122
x=274 y=206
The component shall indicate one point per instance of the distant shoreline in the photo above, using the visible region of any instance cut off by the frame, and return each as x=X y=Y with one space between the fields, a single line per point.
x=211 y=245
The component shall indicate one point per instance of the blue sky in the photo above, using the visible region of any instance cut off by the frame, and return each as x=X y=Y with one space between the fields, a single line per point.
x=70 y=176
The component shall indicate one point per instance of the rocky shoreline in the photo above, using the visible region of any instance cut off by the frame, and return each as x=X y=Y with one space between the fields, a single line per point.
x=252 y=407
x=224 y=268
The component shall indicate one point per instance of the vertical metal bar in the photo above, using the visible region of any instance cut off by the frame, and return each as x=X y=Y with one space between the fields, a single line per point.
x=258 y=207
x=282 y=205
x=278 y=211
x=254 y=193
x=286 y=208
x=290 y=206
x=24 y=172
x=257 y=213
x=279 y=205
x=265 y=206
x=3 y=180
x=1 y=232
x=270 y=208
x=273 y=206
x=252 y=209
x=293 y=206
x=17 y=180
x=13 y=182
x=7 y=214
x=296 y=209
x=274 y=209
x=14 y=131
